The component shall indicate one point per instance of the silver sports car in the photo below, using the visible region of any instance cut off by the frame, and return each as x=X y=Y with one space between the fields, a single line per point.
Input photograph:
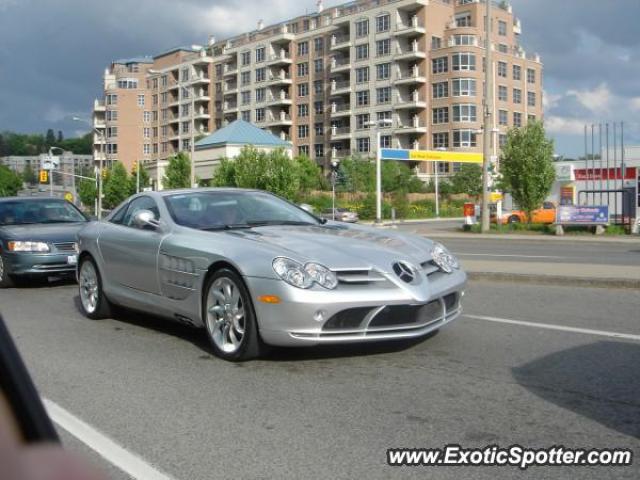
x=254 y=269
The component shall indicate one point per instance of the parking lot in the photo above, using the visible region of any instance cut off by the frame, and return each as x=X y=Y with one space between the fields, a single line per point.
x=531 y=365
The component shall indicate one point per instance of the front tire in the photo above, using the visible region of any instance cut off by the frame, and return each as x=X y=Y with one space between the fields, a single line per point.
x=514 y=219
x=94 y=302
x=229 y=318
x=6 y=281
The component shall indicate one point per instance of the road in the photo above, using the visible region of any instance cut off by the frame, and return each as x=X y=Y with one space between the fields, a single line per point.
x=154 y=388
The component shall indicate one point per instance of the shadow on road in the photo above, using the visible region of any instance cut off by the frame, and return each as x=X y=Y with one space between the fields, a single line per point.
x=600 y=381
x=44 y=282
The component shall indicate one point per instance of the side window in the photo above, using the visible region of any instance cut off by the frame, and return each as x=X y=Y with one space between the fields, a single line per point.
x=119 y=215
x=140 y=203
x=548 y=206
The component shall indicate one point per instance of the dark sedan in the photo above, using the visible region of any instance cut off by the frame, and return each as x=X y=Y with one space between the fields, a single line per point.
x=38 y=237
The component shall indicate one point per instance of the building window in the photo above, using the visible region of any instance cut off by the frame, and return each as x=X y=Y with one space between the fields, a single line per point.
x=441 y=90
x=146 y=116
x=440 y=115
x=436 y=43
x=362 y=52
x=502 y=69
x=219 y=70
x=517 y=96
x=362 y=121
x=245 y=97
x=318 y=87
x=363 y=145
x=440 y=65
x=531 y=118
x=318 y=129
x=441 y=140
x=463 y=62
x=245 y=78
x=362 y=74
x=385 y=141
x=128 y=83
x=502 y=93
x=531 y=99
x=303 y=89
x=318 y=65
x=502 y=28
x=260 y=94
x=503 y=48
x=502 y=140
x=531 y=75
x=464 y=87
x=517 y=119
x=260 y=54
x=384 y=117
x=184 y=75
x=464 y=113
x=462 y=40
x=383 y=95
x=146 y=149
x=362 y=98
x=463 y=19
x=185 y=127
x=303 y=110
x=383 y=23
x=141 y=100
x=112 y=132
x=245 y=58
x=185 y=108
x=318 y=44
x=517 y=72
x=303 y=131
x=319 y=150
x=303 y=69
x=154 y=99
x=112 y=99
x=503 y=118
x=303 y=150
x=383 y=71
x=261 y=74
x=362 y=28
x=318 y=107
x=246 y=115
x=383 y=47
x=303 y=48
x=112 y=148
x=464 y=138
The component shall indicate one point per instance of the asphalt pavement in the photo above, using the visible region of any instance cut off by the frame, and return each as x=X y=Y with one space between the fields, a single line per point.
x=533 y=365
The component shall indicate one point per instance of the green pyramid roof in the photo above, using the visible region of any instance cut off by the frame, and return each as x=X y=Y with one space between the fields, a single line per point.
x=240 y=132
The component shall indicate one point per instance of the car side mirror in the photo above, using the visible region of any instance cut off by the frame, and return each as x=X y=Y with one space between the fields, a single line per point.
x=145 y=219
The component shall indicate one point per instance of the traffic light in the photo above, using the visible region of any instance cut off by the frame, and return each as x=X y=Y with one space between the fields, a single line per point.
x=44 y=176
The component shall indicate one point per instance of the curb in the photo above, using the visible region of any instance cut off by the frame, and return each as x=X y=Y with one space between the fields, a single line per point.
x=531 y=238
x=559 y=280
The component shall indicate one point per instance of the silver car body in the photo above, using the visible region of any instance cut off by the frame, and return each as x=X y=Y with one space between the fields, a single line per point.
x=163 y=272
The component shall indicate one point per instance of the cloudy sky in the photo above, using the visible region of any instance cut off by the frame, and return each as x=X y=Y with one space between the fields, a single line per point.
x=53 y=52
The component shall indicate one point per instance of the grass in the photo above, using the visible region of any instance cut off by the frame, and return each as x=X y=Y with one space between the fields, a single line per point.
x=539 y=229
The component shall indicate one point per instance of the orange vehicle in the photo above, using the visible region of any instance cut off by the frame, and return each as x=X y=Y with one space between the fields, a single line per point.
x=546 y=214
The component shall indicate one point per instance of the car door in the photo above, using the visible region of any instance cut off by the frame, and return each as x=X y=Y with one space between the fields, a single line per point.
x=130 y=252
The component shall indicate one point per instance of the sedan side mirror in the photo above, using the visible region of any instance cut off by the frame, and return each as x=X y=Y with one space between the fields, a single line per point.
x=145 y=219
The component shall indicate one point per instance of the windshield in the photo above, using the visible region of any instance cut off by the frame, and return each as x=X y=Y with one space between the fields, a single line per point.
x=25 y=212
x=213 y=210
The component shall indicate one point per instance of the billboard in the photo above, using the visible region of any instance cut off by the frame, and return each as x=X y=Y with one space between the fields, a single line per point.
x=430 y=156
x=582 y=215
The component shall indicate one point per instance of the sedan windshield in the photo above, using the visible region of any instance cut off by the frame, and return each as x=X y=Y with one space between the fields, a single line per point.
x=26 y=212
x=216 y=210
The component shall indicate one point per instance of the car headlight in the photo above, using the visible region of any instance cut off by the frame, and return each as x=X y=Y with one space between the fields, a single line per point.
x=443 y=258
x=29 y=247
x=304 y=276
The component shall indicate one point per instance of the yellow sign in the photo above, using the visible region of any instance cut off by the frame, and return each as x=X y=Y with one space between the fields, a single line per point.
x=44 y=176
x=68 y=196
x=438 y=156
x=495 y=197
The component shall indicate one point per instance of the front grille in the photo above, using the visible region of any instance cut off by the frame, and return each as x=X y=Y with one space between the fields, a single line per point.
x=395 y=315
x=66 y=247
x=347 y=319
x=451 y=302
x=363 y=276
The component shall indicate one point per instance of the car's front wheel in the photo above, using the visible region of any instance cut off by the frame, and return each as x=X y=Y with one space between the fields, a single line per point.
x=514 y=219
x=95 y=304
x=229 y=317
x=5 y=279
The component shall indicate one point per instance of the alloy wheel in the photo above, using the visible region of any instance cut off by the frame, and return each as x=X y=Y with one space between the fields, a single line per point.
x=226 y=319
x=89 y=290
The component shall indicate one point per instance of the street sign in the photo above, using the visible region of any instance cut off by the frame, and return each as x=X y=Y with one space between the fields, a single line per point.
x=49 y=163
x=495 y=197
x=582 y=215
x=430 y=156
x=68 y=196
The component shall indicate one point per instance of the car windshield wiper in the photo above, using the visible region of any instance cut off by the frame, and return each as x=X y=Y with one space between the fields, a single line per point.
x=233 y=226
x=266 y=223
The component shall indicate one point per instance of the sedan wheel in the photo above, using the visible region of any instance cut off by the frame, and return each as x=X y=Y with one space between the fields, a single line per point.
x=94 y=303
x=514 y=219
x=229 y=317
x=5 y=280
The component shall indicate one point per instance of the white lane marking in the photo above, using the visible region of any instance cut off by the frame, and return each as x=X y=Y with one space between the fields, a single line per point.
x=126 y=461
x=550 y=326
x=503 y=255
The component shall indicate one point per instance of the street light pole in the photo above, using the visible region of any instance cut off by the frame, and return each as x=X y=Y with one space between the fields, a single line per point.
x=193 y=127
x=378 y=124
x=488 y=119
x=103 y=143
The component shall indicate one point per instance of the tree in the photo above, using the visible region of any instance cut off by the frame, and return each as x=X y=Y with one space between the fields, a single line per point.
x=468 y=179
x=178 y=172
x=309 y=173
x=4 y=148
x=29 y=176
x=116 y=186
x=10 y=182
x=282 y=174
x=526 y=165
x=88 y=192
x=50 y=139
x=145 y=180
x=225 y=174
x=60 y=137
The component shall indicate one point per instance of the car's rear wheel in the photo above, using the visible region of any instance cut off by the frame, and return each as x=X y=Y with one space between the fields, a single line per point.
x=6 y=281
x=229 y=317
x=95 y=304
x=514 y=219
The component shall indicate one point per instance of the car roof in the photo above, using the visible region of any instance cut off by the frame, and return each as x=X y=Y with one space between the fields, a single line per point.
x=31 y=199
x=166 y=193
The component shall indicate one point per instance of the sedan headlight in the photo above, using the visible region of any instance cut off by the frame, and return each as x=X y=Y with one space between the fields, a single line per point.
x=443 y=258
x=29 y=247
x=304 y=276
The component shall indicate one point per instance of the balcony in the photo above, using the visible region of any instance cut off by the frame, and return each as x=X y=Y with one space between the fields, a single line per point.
x=230 y=70
x=517 y=26
x=99 y=123
x=341 y=65
x=98 y=139
x=340 y=110
x=340 y=87
x=341 y=154
x=412 y=76
x=340 y=42
x=282 y=119
x=98 y=106
x=280 y=59
x=202 y=96
x=202 y=78
x=410 y=127
x=413 y=101
x=414 y=27
x=230 y=107
x=230 y=89
x=412 y=51
x=282 y=35
x=282 y=99
x=281 y=79
x=340 y=133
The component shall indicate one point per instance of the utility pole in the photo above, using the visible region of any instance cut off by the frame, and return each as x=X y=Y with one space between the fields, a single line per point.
x=488 y=119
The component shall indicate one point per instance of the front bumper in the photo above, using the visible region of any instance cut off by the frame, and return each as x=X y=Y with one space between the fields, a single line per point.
x=351 y=315
x=26 y=263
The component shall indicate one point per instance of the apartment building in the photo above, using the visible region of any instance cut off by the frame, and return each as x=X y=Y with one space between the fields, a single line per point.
x=327 y=81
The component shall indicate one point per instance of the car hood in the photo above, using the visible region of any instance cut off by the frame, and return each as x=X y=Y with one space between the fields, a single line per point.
x=43 y=232
x=340 y=247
